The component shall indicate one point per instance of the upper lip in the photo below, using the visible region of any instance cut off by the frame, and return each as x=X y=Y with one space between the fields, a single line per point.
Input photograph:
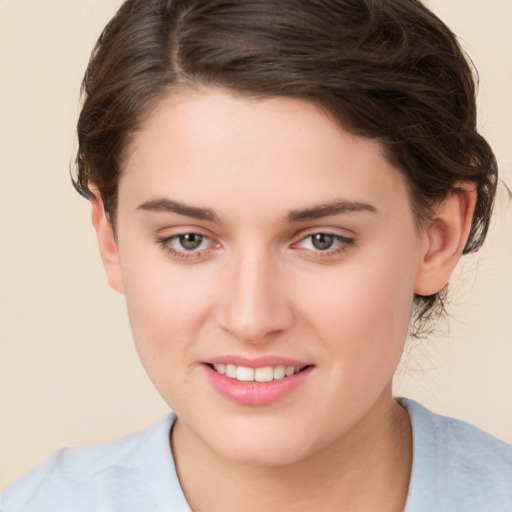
x=257 y=362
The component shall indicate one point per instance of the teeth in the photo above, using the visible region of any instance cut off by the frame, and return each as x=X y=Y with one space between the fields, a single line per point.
x=231 y=371
x=290 y=370
x=263 y=374
x=244 y=374
x=279 y=372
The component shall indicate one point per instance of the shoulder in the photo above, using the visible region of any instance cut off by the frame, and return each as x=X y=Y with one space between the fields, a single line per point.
x=111 y=476
x=458 y=465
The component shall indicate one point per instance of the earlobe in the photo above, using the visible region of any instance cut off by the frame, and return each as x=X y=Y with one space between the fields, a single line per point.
x=107 y=244
x=444 y=239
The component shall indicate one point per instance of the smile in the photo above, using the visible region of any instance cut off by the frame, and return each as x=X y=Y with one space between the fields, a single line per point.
x=263 y=383
x=262 y=374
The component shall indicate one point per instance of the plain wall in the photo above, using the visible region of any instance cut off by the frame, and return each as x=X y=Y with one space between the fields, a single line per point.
x=69 y=374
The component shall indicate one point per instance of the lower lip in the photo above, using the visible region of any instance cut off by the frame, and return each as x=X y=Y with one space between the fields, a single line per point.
x=256 y=393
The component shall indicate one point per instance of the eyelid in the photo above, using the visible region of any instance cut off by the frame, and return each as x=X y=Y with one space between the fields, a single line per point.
x=344 y=243
x=344 y=234
x=342 y=238
x=170 y=230
x=165 y=241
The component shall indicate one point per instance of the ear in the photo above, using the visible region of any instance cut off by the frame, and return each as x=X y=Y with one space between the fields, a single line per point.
x=445 y=238
x=107 y=243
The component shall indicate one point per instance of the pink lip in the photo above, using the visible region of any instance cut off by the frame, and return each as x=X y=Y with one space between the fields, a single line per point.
x=256 y=393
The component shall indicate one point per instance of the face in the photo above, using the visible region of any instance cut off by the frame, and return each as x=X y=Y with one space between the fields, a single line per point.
x=269 y=261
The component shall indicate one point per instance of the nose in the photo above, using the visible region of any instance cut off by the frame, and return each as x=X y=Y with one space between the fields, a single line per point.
x=255 y=306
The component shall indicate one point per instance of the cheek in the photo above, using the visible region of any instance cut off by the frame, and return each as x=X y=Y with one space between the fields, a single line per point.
x=364 y=316
x=167 y=306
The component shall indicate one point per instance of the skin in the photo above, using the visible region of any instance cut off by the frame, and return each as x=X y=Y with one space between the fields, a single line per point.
x=258 y=286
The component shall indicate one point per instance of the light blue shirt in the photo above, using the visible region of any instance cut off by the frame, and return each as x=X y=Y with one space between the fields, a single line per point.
x=456 y=467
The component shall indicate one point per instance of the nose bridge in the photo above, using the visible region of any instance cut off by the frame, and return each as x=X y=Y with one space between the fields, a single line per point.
x=256 y=303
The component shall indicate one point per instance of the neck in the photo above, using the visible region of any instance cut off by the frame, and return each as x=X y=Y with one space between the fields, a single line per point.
x=367 y=469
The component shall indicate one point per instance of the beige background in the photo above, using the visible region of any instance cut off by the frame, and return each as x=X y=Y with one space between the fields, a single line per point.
x=68 y=372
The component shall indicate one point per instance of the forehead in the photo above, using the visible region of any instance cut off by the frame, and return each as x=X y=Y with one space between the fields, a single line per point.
x=218 y=148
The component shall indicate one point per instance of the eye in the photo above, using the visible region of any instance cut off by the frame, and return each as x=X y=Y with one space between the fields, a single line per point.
x=186 y=245
x=322 y=241
x=324 y=244
x=190 y=241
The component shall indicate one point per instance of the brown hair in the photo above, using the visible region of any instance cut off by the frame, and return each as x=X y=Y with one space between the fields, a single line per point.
x=389 y=70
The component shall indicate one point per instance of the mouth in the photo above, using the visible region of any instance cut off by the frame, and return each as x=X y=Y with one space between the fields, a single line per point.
x=263 y=383
x=260 y=374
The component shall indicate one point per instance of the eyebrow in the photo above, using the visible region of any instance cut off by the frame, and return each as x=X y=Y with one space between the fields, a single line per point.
x=167 y=205
x=328 y=209
x=312 y=213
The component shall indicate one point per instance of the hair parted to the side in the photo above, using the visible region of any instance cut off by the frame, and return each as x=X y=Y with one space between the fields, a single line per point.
x=388 y=70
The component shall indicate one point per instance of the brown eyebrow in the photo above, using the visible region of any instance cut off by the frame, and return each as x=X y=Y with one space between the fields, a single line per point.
x=166 y=205
x=315 y=212
x=325 y=210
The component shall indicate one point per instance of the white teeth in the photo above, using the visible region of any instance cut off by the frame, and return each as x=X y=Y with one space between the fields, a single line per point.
x=231 y=371
x=221 y=368
x=263 y=374
x=279 y=372
x=245 y=374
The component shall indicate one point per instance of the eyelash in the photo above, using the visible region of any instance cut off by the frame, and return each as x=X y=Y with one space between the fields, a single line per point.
x=165 y=243
x=344 y=243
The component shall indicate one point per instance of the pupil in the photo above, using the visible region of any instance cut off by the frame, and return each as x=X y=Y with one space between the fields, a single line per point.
x=190 y=241
x=322 y=241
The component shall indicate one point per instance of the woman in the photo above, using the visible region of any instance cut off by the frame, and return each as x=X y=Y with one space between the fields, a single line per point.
x=275 y=186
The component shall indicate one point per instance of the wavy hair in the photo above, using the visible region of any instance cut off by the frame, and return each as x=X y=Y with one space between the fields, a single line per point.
x=389 y=70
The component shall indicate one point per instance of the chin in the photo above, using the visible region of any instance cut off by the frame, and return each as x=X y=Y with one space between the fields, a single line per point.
x=262 y=456
x=264 y=447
